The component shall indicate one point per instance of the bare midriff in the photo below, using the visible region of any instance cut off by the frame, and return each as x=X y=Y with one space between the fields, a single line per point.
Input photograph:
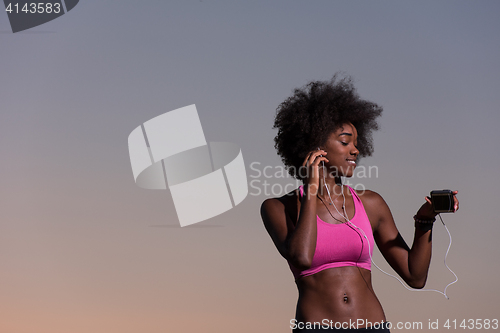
x=338 y=294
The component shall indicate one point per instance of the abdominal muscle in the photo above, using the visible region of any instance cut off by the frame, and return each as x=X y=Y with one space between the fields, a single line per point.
x=321 y=296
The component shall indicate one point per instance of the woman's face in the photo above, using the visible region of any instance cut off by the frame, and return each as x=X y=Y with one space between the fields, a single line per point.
x=341 y=151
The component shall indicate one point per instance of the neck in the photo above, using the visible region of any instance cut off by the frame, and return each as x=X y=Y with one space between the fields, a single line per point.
x=334 y=185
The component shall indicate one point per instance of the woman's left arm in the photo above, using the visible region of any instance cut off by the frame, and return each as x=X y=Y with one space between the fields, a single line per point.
x=411 y=264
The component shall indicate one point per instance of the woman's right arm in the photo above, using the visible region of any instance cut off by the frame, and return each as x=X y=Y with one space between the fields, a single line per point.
x=296 y=243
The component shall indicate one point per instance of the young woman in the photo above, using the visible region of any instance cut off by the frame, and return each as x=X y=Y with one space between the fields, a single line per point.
x=327 y=231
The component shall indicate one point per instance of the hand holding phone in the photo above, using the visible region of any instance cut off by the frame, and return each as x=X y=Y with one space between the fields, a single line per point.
x=443 y=201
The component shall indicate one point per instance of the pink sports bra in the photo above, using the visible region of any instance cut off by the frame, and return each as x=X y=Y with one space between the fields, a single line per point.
x=339 y=245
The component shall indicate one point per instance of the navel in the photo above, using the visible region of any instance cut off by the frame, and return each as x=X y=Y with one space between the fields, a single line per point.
x=345 y=298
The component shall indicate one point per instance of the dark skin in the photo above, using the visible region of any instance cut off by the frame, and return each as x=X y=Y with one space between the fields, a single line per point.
x=342 y=293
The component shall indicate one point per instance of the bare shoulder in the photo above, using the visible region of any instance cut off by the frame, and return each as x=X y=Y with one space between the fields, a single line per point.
x=277 y=207
x=279 y=216
x=375 y=206
x=370 y=198
x=270 y=209
x=271 y=204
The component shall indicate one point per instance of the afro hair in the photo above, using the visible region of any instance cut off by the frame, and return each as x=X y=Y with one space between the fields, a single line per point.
x=307 y=118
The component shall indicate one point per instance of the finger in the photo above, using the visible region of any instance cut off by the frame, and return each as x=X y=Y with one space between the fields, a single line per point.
x=309 y=159
x=317 y=153
x=306 y=159
x=428 y=200
x=318 y=160
x=314 y=156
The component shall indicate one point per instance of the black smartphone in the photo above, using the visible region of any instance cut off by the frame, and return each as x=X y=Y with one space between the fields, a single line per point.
x=442 y=201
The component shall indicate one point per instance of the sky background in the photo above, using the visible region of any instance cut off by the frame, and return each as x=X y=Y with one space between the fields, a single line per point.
x=85 y=250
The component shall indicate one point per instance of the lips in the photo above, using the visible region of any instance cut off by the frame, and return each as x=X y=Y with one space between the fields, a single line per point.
x=351 y=162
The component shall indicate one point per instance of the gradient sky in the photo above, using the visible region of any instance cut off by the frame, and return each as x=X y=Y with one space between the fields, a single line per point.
x=84 y=250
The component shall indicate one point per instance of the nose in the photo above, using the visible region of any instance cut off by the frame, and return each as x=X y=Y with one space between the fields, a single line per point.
x=354 y=151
